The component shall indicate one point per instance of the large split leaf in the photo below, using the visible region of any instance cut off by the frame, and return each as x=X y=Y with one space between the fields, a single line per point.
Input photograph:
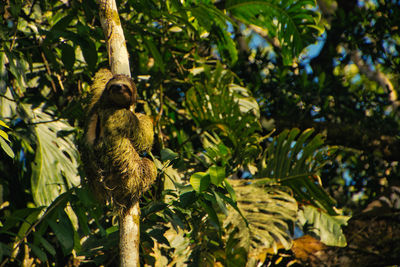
x=293 y=23
x=294 y=158
x=55 y=168
x=215 y=22
x=218 y=105
x=269 y=211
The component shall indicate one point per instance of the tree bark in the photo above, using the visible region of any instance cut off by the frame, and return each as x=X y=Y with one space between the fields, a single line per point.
x=129 y=218
x=129 y=236
x=115 y=39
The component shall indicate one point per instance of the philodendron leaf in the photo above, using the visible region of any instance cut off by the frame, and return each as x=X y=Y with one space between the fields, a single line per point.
x=55 y=168
x=269 y=212
x=327 y=227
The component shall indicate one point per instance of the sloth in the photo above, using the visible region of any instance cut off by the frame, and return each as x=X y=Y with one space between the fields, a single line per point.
x=114 y=140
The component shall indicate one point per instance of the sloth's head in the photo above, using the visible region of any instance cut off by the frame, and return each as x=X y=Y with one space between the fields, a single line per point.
x=121 y=91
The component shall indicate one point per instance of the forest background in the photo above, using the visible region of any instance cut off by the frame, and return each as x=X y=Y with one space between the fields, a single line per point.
x=277 y=132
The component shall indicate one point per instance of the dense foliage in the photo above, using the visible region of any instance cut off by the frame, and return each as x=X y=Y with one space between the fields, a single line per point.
x=274 y=120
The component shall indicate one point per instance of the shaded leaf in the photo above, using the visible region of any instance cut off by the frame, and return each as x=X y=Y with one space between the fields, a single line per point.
x=49 y=247
x=168 y=154
x=63 y=229
x=38 y=252
x=67 y=56
x=294 y=158
x=293 y=23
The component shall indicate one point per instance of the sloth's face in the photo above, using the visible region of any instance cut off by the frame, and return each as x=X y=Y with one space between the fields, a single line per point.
x=121 y=95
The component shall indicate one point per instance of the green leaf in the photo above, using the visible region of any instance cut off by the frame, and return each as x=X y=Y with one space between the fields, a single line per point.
x=18 y=67
x=4 y=135
x=216 y=108
x=67 y=56
x=327 y=228
x=28 y=222
x=49 y=247
x=269 y=211
x=38 y=252
x=89 y=52
x=82 y=219
x=226 y=45
x=217 y=174
x=63 y=229
x=293 y=23
x=230 y=190
x=6 y=147
x=187 y=198
x=55 y=168
x=292 y=158
x=63 y=23
x=3 y=124
x=212 y=215
x=19 y=216
x=200 y=181
x=168 y=154
x=159 y=62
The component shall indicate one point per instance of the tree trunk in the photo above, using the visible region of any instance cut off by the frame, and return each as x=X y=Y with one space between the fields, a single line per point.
x=129 y=219
x=115 y=39
x=129 y=236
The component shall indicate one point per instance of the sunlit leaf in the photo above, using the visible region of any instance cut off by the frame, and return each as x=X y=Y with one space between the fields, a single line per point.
x=269 y=211
x=217 y=174
x=328 y=228
x=6 y=147
x=168 y=154
x=200 y=181
x=55 y=168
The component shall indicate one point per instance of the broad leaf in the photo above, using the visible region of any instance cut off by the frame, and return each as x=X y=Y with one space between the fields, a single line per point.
x=200 y=181
x=217 y=105
x=327 y=228
x=294 y=158
x=55 y=168
x=269 y=211
x=217 y=174
x=63 y=229
x=293 y=23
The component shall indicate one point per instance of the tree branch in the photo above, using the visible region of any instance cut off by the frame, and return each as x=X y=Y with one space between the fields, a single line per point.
x=375 y=75
x=129 y=232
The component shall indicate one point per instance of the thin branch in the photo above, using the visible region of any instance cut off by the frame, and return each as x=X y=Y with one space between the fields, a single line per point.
x=19 y=242
x=375 y=75
x=9 y=99
x=53 y=85
x=158 y=118
x=264 y=34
